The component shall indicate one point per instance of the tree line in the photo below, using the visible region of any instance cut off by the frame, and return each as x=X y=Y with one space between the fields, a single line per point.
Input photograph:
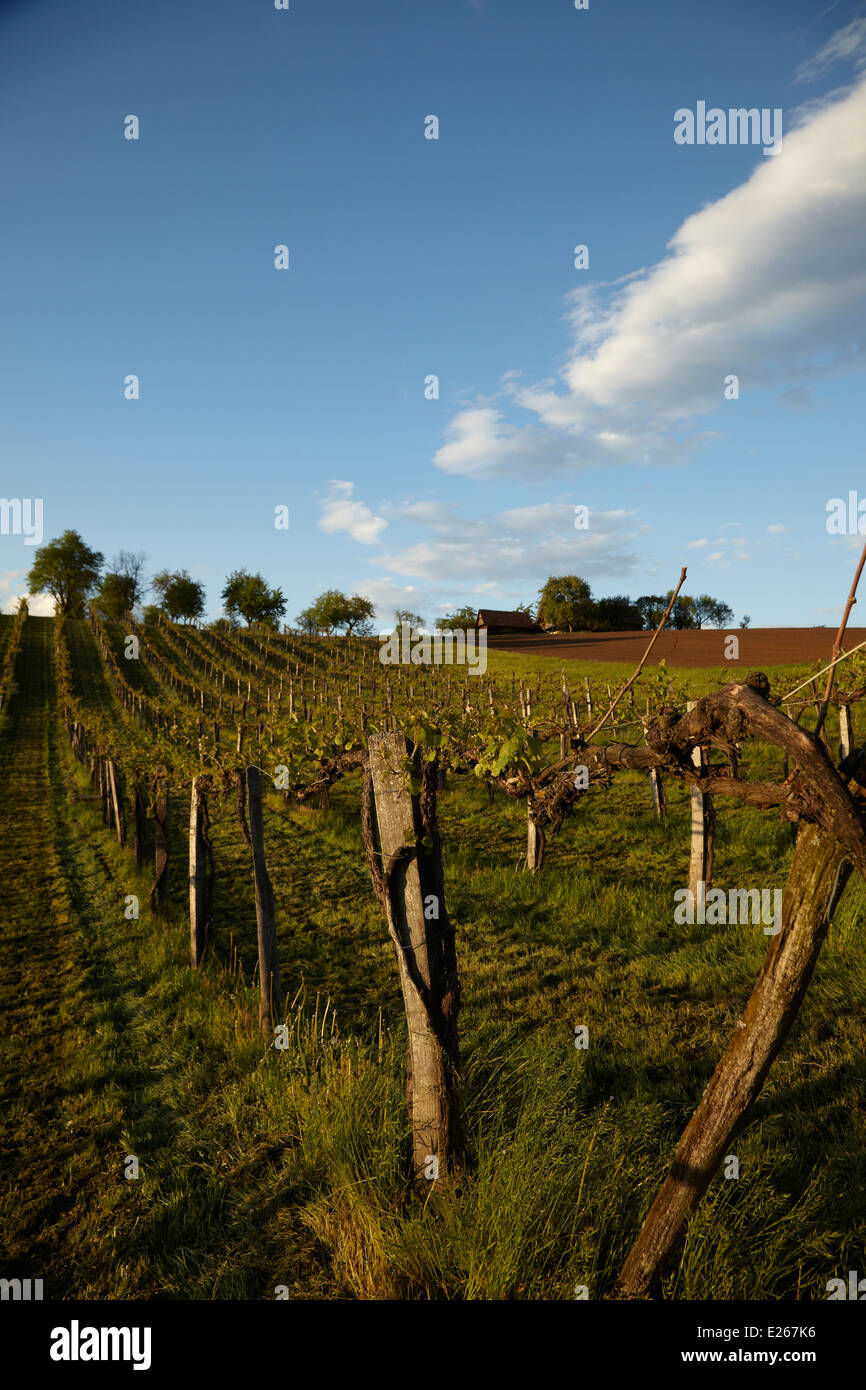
x=75 y=575
x=566 y=602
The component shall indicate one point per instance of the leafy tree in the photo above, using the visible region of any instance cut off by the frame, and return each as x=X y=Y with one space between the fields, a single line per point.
x=458 y=621
x=616 y=614
x=745 y=620
x=333 y=610
x=358 y=616
x=115 y=595
x=565 y=602
x=651 y=608
x=415 y=621
x=307 y=620
x=712 y=611
x=248 y=595
x=68 y=570
x=180 y=595
x=683 y=612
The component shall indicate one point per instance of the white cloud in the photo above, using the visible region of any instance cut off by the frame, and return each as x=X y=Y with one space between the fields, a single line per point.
x=768 y=281
x=694 y=545
x=777 y=529
x=846 y=44
x=340 y=512
x=438 y=515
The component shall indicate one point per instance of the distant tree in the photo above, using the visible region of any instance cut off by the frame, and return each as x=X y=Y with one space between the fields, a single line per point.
x=712 y=612
x=248 y=596
x=415 y=621
x=68 y=570
x=616 y=614
x=333 y=610
x=745 y=620
x=115 y=596
x=358 y=617
x=565 y=602
x=651 y=608
x=122 y=586
x=151 y=614
x=181 y=597
x=307 y=620
x=459 y=620
x=683 y=612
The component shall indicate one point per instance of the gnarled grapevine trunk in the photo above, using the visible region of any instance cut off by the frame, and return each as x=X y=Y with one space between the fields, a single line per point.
x=410 y=882
x=818 y=874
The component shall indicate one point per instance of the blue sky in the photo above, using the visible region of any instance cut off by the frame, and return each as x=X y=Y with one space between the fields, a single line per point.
x=306 y=387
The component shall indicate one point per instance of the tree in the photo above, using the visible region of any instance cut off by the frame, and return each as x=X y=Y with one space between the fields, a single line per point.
x=683 y=612
x=651 y=608
x=358 y=616
x=402 y=615
x=68 y=570
x=459 y=621
x=565 y=602
x=307 y=620
x=334 y=609
x=180 y=595
x=248 y=595
x=121 y=587
x=712 y=612
x=745 y=620
x=616 y=614
x=115 y=595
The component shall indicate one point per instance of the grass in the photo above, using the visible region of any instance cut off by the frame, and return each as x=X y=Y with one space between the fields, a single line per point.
x=262 y=1168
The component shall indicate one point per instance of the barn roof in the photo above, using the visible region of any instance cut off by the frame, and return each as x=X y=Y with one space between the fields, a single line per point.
x=497 y=617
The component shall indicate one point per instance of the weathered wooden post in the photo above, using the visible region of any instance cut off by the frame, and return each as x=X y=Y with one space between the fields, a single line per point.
x=535 y=840
x=407 y=874
x=819 y=871
x=270 y=995
x=657 y=787
x=138 y=819
x=116 y=801
x=702 y=818
x=845 y=731
x=159 y=891
x=198 y=878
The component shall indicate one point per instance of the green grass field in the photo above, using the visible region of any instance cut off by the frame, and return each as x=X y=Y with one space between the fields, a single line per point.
x=261 y=1168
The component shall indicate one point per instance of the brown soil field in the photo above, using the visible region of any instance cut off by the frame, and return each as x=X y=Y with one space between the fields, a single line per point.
x=759 y=646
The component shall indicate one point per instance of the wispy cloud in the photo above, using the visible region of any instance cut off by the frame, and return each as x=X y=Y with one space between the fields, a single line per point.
x=341 y=512
x=768 y=282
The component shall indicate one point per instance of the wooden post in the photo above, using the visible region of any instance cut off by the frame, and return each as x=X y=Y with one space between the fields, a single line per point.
x=411 y=882
x=116 y=801
x=819 y=871
x=845 y=730
x=138 y=818
x=534 y=840
x=197 y=875
x=658 y=793
x=270 y=998
x=701 y=857
x=159 y=891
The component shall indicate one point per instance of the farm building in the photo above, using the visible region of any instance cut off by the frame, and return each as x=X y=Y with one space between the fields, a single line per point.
x=496 y=621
